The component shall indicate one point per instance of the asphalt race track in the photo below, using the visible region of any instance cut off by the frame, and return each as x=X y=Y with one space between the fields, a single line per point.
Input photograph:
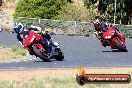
x=78 y=50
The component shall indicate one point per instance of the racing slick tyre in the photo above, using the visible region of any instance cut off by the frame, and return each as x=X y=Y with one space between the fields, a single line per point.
x=120 y=46
x=40 y=54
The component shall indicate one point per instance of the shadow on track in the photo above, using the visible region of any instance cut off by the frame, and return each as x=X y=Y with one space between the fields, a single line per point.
x=115 y=51
x=52 y=60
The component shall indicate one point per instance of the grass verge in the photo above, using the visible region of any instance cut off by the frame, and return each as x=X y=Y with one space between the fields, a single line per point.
x=56 y=78
x=11 y=53
x=18 y=51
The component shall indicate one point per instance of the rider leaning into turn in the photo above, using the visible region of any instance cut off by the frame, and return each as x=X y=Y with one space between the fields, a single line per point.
x=102 y=25
x=20 y=31
x=98 y=27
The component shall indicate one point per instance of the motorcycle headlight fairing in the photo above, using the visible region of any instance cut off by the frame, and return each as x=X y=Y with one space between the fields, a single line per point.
x=108 y=37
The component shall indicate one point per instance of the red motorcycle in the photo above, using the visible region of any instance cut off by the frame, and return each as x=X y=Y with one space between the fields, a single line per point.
x=32 y=42
x=112 y=37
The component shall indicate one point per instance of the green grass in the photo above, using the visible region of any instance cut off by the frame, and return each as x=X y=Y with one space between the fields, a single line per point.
x=19 y=51
x=54 y=78
x=49 y=83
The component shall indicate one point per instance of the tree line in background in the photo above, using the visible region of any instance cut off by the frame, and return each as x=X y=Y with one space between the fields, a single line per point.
x=106 y=8
x=48 y=9
x=0 y=2
x=67 y=10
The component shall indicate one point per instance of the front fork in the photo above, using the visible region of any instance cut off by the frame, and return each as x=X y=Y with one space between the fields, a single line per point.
x=56 y=48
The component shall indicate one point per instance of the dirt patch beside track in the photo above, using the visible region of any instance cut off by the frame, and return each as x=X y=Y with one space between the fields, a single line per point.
x=7 y=53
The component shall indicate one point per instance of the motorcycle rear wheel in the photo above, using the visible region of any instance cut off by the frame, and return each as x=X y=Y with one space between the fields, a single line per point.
x=40 y=55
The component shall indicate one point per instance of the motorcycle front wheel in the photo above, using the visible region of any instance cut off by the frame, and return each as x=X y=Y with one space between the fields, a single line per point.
x=60 y=56
x=120 y=46
x=41 y=55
